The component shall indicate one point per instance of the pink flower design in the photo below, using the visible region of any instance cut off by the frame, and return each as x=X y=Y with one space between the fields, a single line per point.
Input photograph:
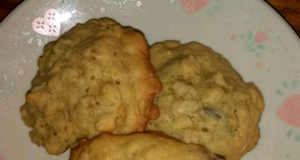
x=48 y=25
x=138 y=3
x=191 y=6
x=232 y=37
x=260 y=37
x=102 y=9
x=5 y=108
x=258 y=65
x=290 y=111
x=21 y=72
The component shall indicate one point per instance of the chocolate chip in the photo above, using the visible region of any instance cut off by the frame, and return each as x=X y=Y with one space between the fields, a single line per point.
x=92 y=77
x=180 y=78
x=118 y=82
x=204 y=129
x=217 y=157
x=213 y=112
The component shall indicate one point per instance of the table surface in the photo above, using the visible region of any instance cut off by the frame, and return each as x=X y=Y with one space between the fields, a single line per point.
x=289 y=9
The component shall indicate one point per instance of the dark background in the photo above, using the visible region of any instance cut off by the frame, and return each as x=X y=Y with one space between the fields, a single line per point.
x=289 y=9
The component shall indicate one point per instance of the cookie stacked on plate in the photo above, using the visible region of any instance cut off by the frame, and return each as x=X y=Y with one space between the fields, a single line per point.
x=99 y=84
x=95 y=78
x=204 y=100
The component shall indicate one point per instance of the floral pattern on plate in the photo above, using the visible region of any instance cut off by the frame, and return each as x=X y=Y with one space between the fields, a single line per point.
x=259 y=44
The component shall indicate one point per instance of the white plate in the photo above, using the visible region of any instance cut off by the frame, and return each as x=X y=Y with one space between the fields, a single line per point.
x=255 y=39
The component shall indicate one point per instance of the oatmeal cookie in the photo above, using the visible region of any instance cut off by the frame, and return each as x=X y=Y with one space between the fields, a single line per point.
x=95 y=78
x=138 y=146
x=204 y=100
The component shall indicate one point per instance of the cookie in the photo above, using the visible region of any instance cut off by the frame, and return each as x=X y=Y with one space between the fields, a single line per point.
x=204 y=100
x=95 y=78
x=137 y=146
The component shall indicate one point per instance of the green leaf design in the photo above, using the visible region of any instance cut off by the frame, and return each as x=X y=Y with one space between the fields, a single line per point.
x=279 y=92
x=289 y=134
x=298 y=138
x=295 y=84
x=172 y=1
x=39 y=42
x=260 y=46
x=25 y=33
x=217 y=8
x=250 y=35
x=5 y=77
x=285 y=84
x=210 y=13
x=30 y=40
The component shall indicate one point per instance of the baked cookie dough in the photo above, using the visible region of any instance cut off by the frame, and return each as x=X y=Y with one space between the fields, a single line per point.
x=138 y=146
x=95 y=78
x=204 y=100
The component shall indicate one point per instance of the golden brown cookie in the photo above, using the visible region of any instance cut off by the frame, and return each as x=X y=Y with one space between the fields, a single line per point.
x=95 y=78
x=204 y=100
x=137 y=146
